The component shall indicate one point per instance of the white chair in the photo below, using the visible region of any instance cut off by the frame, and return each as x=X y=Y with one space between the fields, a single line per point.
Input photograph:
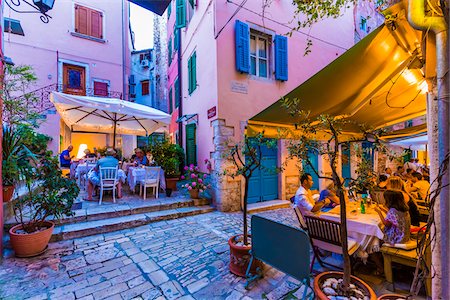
x=108 y=181
x=90 y=159
x=83 y=174
x=151 y=179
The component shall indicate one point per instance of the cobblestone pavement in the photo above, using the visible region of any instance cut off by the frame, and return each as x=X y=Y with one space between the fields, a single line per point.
x=185 y=258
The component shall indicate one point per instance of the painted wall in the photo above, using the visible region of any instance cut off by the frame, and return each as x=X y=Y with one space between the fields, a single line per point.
x=142 y=73
x=47 y=46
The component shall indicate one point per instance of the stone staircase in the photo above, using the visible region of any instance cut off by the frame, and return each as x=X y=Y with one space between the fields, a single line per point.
x=92 y=219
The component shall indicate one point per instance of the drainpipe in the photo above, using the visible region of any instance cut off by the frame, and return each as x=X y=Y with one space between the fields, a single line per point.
x=1 y=131
x=180 y=94
x=440 y=146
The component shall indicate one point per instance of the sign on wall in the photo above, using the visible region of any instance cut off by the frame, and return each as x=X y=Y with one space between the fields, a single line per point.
x=239 y=87
x=212 y=112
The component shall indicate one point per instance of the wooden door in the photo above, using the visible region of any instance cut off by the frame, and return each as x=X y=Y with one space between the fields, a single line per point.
x=74 y=80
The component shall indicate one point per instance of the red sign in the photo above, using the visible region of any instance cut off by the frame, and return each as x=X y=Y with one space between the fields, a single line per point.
x=212 y=112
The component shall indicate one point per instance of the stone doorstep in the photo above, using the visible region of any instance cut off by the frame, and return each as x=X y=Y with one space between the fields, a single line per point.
x=77 y=230
x=108 y=211
x=268 y=205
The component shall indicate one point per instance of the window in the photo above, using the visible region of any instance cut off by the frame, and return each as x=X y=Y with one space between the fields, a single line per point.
x=145 y=87
x=88 y=22
x=170 y=101
x=143 y=56
x=177 y=92
x=175 y=38
x=190 y=9
x=132 y=86
x=169 y=47
x=253 y=53
x=181 y=14
x=100 y=88
x=169 y=9
x=192 y=73
x=259 y=55
x=363 y=24
x=12 y=26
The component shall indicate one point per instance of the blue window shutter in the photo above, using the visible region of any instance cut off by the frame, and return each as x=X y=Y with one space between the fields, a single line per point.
x=170 y=101
x=242 y=47
x=281 y=58
x=181 y=14
x=177 y=93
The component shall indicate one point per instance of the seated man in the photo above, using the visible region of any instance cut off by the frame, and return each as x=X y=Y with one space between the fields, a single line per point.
x=329 y=195
x=94 y=177
x=304 y=197
x=419 y=186
x=65 y=158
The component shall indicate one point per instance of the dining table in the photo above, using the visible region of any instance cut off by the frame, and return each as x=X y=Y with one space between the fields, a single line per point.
x=137 y=174
x=366 y=228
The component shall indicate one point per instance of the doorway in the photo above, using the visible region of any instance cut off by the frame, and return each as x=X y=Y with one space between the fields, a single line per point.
x=74 y=80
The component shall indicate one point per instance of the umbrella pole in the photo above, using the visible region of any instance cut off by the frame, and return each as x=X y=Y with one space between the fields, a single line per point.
x=114 y=134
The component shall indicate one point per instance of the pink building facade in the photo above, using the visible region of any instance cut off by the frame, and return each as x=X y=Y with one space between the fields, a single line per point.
x=217 y=97
x=84 y=50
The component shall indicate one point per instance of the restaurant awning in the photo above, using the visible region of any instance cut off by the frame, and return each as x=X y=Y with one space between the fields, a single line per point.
x=108 y=115
x=378 y=82
x=156 y=6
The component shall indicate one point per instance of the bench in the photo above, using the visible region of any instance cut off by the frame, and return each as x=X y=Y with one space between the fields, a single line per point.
x=283 y=247
x=404 y=257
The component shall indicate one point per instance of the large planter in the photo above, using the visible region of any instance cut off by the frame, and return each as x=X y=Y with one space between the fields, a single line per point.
x=32 y=244
x=391 y=297
x=319 y=279
x=194 y=193
x=8 y=192
x=171 y=183
x=240 y=258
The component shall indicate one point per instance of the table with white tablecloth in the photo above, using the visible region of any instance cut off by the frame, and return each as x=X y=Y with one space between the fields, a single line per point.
x=366 y=228
x=136 y=174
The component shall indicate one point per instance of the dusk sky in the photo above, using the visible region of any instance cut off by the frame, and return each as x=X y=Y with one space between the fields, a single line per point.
x=142 y=25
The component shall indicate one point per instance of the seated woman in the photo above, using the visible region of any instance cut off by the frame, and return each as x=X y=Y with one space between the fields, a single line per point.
x=396 y=183
x=88 y=154
x=140 y=158
x=94 y=177
x=328 y=195
x=397 y=221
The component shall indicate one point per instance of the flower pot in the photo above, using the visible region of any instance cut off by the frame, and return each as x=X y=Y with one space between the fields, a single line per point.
x=171 y=183
x=30 y=244
x=168 y=192
x=194 y=193
x=391 y=297
x=8 y=192
x=240 y=258
x=319 y=279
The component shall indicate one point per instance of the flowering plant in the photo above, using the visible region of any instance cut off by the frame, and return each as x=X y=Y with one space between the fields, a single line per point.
x=196 y=179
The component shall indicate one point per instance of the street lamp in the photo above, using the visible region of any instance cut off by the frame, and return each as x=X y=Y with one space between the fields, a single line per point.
x=38 y=6
x=44 y=5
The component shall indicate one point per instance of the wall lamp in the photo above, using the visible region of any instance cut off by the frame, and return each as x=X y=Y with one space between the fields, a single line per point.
x=37 y=6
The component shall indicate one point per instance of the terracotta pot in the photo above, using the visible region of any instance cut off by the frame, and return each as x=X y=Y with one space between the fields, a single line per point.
x=8 y=192
x=391 y=297
x=194 y=194
x=171 y=183
x=32 y=244
x=240 y=258
x=319 y=279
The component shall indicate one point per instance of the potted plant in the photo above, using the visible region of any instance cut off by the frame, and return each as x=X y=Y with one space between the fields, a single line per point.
x=245 y=158
x=170 y=157
x=324 y=135
x=49 y=195
x=196 y=181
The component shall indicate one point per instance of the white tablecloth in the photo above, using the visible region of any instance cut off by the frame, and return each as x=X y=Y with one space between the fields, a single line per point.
x=366 y=228
x=136 y=174
x=82 y=169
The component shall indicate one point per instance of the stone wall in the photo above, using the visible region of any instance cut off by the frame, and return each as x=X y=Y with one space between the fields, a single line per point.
x=226 y=191
x=292 y=184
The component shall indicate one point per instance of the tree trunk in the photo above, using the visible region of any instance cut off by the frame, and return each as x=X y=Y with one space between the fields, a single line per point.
x=245 y=211
x=347 y=267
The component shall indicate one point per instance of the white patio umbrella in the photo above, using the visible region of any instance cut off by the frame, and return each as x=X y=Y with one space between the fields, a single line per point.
x=108 y=115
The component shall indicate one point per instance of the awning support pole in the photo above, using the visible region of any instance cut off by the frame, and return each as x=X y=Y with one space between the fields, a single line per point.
x=114 y=134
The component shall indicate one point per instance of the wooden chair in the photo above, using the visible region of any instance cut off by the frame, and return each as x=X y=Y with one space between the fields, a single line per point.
x=326 y=235
x=108 y=181
x=151 y=179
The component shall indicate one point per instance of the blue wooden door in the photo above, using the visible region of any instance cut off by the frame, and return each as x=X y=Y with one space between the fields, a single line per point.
x=345 y=160
x=263 y=185
x=314 y=159
x=368 y=151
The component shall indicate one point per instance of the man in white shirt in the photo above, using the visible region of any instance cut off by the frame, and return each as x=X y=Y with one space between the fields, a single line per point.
x=420 y=186
x=304 y=197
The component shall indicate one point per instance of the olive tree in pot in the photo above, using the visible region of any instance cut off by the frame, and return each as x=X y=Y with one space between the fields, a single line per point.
x=324 y=135
x=245 y=158
x=49 y=196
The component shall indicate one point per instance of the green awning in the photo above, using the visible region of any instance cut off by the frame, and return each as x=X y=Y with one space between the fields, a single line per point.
x=378 y=82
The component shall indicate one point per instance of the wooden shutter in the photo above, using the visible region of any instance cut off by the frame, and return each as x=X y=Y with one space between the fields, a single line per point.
x=242 y=47
x=191 y=145
x=177 y=93
x=81 y=19
x=100 y=88
x=175 y=39
x=181 y=14
x=96 y=24
x=170 y=101
x=169 y=46
x=192 y=66
x=281 y=58
x=190 y=75
x=145 y=87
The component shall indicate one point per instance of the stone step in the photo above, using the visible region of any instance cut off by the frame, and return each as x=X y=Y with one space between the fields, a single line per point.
x=268 y=205
x=82 y=229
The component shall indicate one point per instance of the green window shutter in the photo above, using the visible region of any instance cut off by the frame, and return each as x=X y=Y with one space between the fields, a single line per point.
x=192 y=3
x=170 y=101
x=177 y=93
x=181 y=14
x=169 y=9
x=175 y=39
x=191 y=145
x=169 y=46
x=194 y=71
x=190 y=75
